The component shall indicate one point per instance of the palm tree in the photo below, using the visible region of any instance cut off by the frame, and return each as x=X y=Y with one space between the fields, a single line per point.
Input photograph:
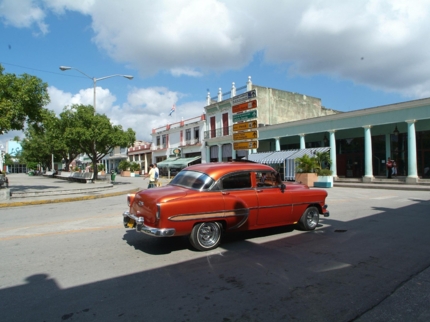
x=323 y=158
x=306 y=164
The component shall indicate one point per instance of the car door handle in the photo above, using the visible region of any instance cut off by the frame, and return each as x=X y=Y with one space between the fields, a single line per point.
x=259 y=190
x=225 y=193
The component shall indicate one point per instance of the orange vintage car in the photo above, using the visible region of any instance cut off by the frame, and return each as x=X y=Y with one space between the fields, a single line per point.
x=206 y=200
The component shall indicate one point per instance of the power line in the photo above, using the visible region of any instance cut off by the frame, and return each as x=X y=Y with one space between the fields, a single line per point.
x=43 y=71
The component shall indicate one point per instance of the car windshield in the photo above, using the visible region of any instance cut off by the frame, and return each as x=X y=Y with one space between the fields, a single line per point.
x=193 y=180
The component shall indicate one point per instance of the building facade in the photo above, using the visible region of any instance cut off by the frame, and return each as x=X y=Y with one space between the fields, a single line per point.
x=112 y=160
x=141 y=153
x=179 y=144
x=361 y=141
x=272 y=107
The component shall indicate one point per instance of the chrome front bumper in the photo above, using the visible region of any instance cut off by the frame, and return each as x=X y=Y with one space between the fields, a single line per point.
x=141 y=227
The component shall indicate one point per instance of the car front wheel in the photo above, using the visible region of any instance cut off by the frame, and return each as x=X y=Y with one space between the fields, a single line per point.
x=206 y=236
x=309 y=219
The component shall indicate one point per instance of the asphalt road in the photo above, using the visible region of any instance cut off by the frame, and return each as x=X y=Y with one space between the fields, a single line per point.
x=76 y=262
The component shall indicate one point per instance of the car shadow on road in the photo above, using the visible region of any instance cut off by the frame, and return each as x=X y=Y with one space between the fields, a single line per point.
x=166 y=245
x=155 y=245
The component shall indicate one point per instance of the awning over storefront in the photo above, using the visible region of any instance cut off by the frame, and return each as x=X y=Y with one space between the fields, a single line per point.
x=166 y=163
x=281 y=156
x=177 y=162
x=258 y=157
x=285 y=159
x=184 y=162
x=311 y=152
x=278 y=157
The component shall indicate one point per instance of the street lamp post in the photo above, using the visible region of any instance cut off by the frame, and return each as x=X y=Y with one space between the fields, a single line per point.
x=63 y=68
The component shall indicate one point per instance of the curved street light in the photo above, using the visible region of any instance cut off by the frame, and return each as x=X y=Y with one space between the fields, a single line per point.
x=63 y=68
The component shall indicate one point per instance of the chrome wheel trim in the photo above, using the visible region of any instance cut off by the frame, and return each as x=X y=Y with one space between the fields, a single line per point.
x=312 y=217
x=209 y=234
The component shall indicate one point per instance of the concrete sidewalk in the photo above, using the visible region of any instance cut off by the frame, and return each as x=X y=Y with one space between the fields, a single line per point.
x=33 y=190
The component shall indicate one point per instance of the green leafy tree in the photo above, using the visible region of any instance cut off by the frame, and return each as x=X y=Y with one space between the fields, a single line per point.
x=40 y=144
x=8 y=160
x=93 y=133
x=31 y=165
x=36 y=148
x=323 y=160
x=134 y=166
x=124 y=165
x=22 y=99
x=306 y=164
x=62 y=147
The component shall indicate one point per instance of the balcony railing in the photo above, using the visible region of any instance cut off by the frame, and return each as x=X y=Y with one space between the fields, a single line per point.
x=223 y=131
x=160 y=146
x=192 y=141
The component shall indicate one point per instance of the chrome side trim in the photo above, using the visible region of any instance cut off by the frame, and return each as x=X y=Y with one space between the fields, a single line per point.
x=244 y=212
x=141 y=227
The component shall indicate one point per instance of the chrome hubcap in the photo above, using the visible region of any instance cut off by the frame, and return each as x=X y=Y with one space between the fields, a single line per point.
x=209 y=234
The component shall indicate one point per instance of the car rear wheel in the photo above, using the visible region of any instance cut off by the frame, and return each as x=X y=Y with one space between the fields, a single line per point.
x=206 y=236
x=309 y=219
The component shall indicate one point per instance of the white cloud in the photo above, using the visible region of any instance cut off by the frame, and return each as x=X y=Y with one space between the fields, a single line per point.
x=377 y=43
x=185 y=71
x=146 y=108
x=23 y=13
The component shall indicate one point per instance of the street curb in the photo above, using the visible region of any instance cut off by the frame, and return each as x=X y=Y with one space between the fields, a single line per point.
x=70 y=199
x=380 y=186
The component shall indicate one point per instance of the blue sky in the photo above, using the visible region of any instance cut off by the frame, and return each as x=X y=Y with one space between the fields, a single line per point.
x=351 y=54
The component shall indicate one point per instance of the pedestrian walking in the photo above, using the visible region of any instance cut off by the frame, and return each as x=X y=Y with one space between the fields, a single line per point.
x=157 y=174
x=389 y=166
x=151 y=176
x=394 y=169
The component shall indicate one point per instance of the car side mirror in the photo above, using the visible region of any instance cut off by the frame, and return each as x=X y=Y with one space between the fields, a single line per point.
x=283 y=186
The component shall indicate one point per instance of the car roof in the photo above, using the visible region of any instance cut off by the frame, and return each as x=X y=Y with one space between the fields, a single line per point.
x=218 y=169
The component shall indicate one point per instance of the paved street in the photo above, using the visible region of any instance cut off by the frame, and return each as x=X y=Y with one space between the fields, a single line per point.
x=27 y=190
x=74 y=261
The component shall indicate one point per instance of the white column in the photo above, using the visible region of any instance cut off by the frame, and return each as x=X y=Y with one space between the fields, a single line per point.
x=333 y=166
x=368 y=168
x=208 y=99
x=219 y=95
x=302 y=141
x=146 y=163
x=387 y=150
x=207 y=157
x=412 y=153
x=233 y=90
x=277 y=144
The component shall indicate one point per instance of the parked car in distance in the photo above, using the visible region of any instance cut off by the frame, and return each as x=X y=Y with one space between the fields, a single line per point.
x=206 y=200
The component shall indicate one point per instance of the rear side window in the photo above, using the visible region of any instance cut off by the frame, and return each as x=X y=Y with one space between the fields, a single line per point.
x=236 y=181
x=193 y=180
